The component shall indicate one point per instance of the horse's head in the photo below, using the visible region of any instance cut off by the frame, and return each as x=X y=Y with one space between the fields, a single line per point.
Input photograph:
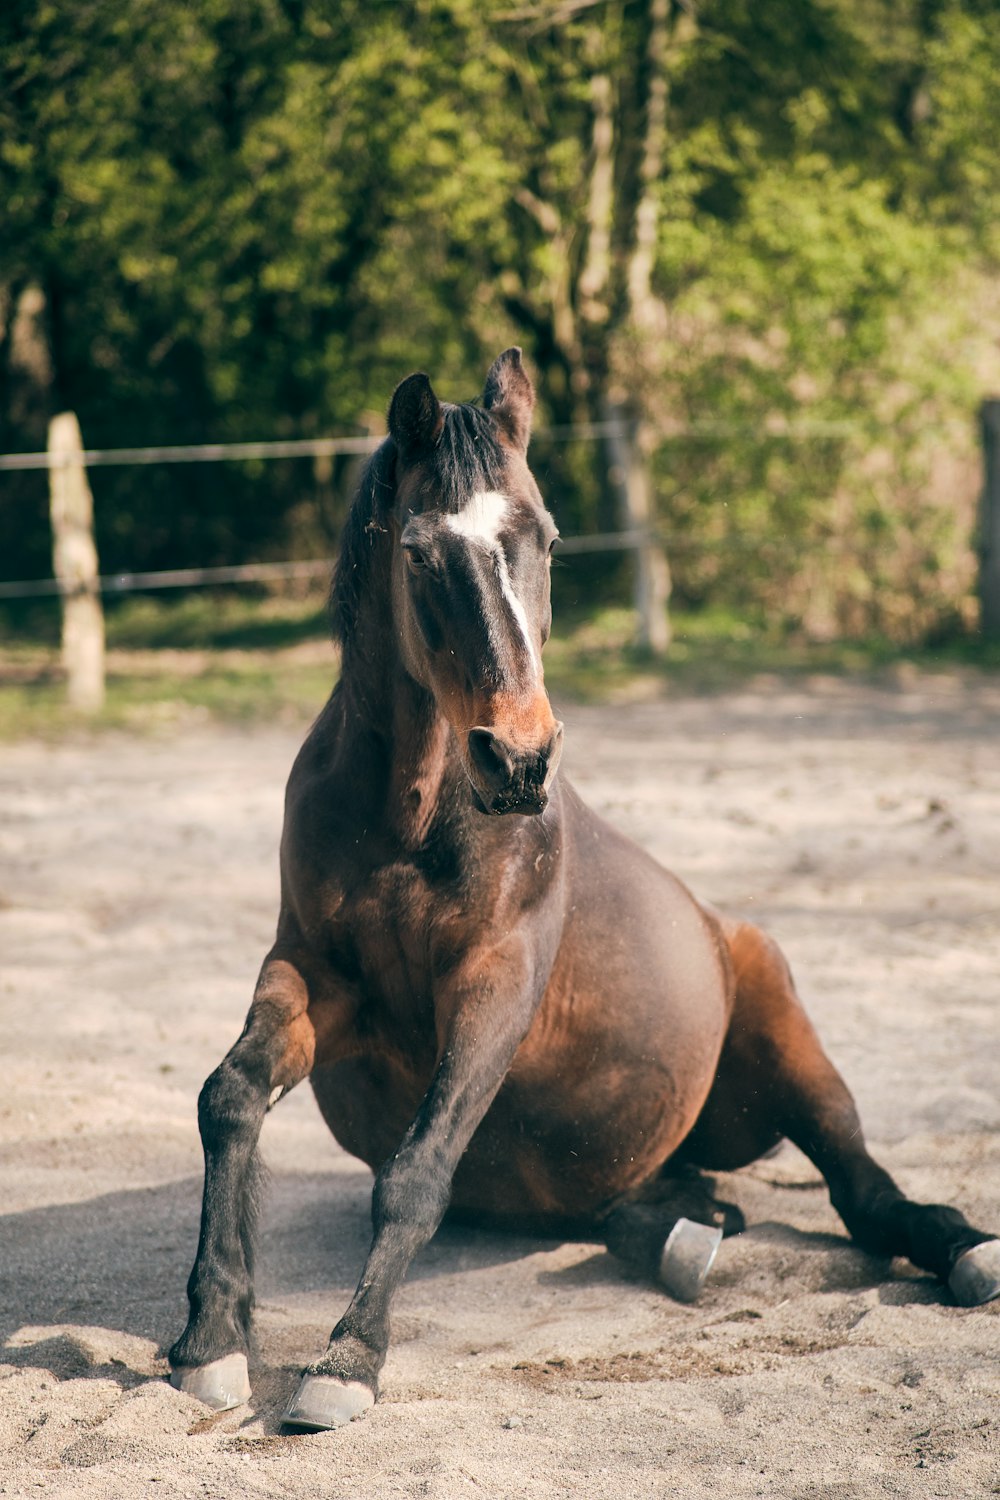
x=472 y=544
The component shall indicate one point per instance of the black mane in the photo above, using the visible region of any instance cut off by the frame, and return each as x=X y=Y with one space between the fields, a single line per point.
x=466 y=457
x=365 y=522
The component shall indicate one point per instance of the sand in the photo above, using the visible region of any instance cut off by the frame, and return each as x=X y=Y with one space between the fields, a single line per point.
x=138 y=892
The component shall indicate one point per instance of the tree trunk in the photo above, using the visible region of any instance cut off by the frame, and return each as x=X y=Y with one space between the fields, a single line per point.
x=629 y=467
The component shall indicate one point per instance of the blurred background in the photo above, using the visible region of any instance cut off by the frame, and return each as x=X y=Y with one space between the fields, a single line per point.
x=752 y=253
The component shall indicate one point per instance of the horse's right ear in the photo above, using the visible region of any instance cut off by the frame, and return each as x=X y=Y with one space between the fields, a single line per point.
x=415 y=415
x=510 y=396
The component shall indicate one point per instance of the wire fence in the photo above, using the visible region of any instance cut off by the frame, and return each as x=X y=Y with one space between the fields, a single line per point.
x=196 y=453
x=192 y=453
x=80 y=588
x=240 y=452
x=273 y=572
x=626 y=540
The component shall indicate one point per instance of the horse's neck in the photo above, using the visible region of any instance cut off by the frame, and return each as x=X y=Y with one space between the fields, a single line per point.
x=421 y=753
x=381 y=698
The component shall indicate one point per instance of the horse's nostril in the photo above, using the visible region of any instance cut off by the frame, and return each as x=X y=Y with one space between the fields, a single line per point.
x=491 y=757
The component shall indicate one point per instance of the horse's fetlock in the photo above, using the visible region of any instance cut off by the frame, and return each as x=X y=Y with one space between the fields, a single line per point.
x=351 y=1358
x=207 y=1340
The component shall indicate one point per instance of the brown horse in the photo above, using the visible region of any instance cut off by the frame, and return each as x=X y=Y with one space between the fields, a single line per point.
x=515 y=1015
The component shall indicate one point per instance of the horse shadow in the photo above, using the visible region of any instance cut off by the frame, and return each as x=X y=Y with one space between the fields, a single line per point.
x=95 y=1289
x=74 y=1274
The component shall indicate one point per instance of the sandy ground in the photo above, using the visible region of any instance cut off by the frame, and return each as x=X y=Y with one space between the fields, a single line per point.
x=138 y=892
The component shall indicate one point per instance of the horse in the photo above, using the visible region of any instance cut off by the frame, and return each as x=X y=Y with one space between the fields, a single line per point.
x=503 y=1005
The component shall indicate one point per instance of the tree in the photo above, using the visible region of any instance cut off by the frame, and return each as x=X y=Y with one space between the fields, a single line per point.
x=756 y=224
x=708 y=222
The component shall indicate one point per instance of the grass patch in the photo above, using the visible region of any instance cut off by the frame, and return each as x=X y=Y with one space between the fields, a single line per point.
x=250 y=620
x=155 y=695
x=233 y=658
x=593 y=658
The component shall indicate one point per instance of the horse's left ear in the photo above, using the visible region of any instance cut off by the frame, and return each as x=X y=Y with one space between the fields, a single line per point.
x=510 y=396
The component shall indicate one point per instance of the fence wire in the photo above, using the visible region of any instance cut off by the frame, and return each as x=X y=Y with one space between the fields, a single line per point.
x=267 y=572
x=202 y=453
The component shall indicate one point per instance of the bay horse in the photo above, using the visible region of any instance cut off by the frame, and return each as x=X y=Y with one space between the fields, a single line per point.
x=502 y=1003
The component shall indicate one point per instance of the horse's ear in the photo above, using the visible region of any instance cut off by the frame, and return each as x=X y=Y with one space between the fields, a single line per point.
x=415 y=415
x=510 y=396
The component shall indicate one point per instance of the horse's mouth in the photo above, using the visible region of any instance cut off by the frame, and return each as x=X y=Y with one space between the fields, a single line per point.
x=506 y=777
x=529 y=801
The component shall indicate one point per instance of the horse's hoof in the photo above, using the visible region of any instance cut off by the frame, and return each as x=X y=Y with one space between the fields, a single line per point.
x=222 y=1384
x=687 y=1258
x=322 y=1402
x=975 y=1276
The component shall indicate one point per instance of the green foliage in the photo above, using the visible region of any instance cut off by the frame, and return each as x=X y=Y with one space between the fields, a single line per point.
x=828 y=238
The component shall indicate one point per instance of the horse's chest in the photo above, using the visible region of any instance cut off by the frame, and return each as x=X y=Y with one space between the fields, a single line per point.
x=388 y=934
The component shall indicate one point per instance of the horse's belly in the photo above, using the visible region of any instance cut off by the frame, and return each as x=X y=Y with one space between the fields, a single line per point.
x=369 y=1104
x=614 y=1071
x=569 y=1143
x=544 y=1149
x=608 y=1082
x=529 y=1159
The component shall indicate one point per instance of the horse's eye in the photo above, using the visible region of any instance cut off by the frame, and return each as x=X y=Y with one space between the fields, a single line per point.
x=415 y=560
x=553 y=545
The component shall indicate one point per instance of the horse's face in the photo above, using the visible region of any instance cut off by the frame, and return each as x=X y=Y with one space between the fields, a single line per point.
x=471 y=581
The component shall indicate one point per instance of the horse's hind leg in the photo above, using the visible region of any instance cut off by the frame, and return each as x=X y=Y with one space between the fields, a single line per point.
x=274 y=1053
x=671 y=1234
x=774 y=1079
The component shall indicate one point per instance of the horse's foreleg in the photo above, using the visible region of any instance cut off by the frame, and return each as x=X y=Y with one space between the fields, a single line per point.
x=479 y=1033
x=775 y=1079
x=274 y=1053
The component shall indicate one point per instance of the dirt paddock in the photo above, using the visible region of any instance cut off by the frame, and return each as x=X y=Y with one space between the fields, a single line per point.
x=138 y=891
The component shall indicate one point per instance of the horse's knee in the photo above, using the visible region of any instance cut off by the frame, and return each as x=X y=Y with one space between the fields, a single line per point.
x=274 y=1053
x=231 y=1100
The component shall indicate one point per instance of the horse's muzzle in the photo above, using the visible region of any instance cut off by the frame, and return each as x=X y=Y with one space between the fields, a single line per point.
x=509 y=779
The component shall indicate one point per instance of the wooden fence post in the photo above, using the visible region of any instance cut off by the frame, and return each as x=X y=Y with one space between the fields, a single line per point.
x=74 y=557
x=989 y=522
x=631 y=473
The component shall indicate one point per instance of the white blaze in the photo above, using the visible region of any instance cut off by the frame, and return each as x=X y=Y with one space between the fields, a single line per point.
x=480 y=521
x=481 y=518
